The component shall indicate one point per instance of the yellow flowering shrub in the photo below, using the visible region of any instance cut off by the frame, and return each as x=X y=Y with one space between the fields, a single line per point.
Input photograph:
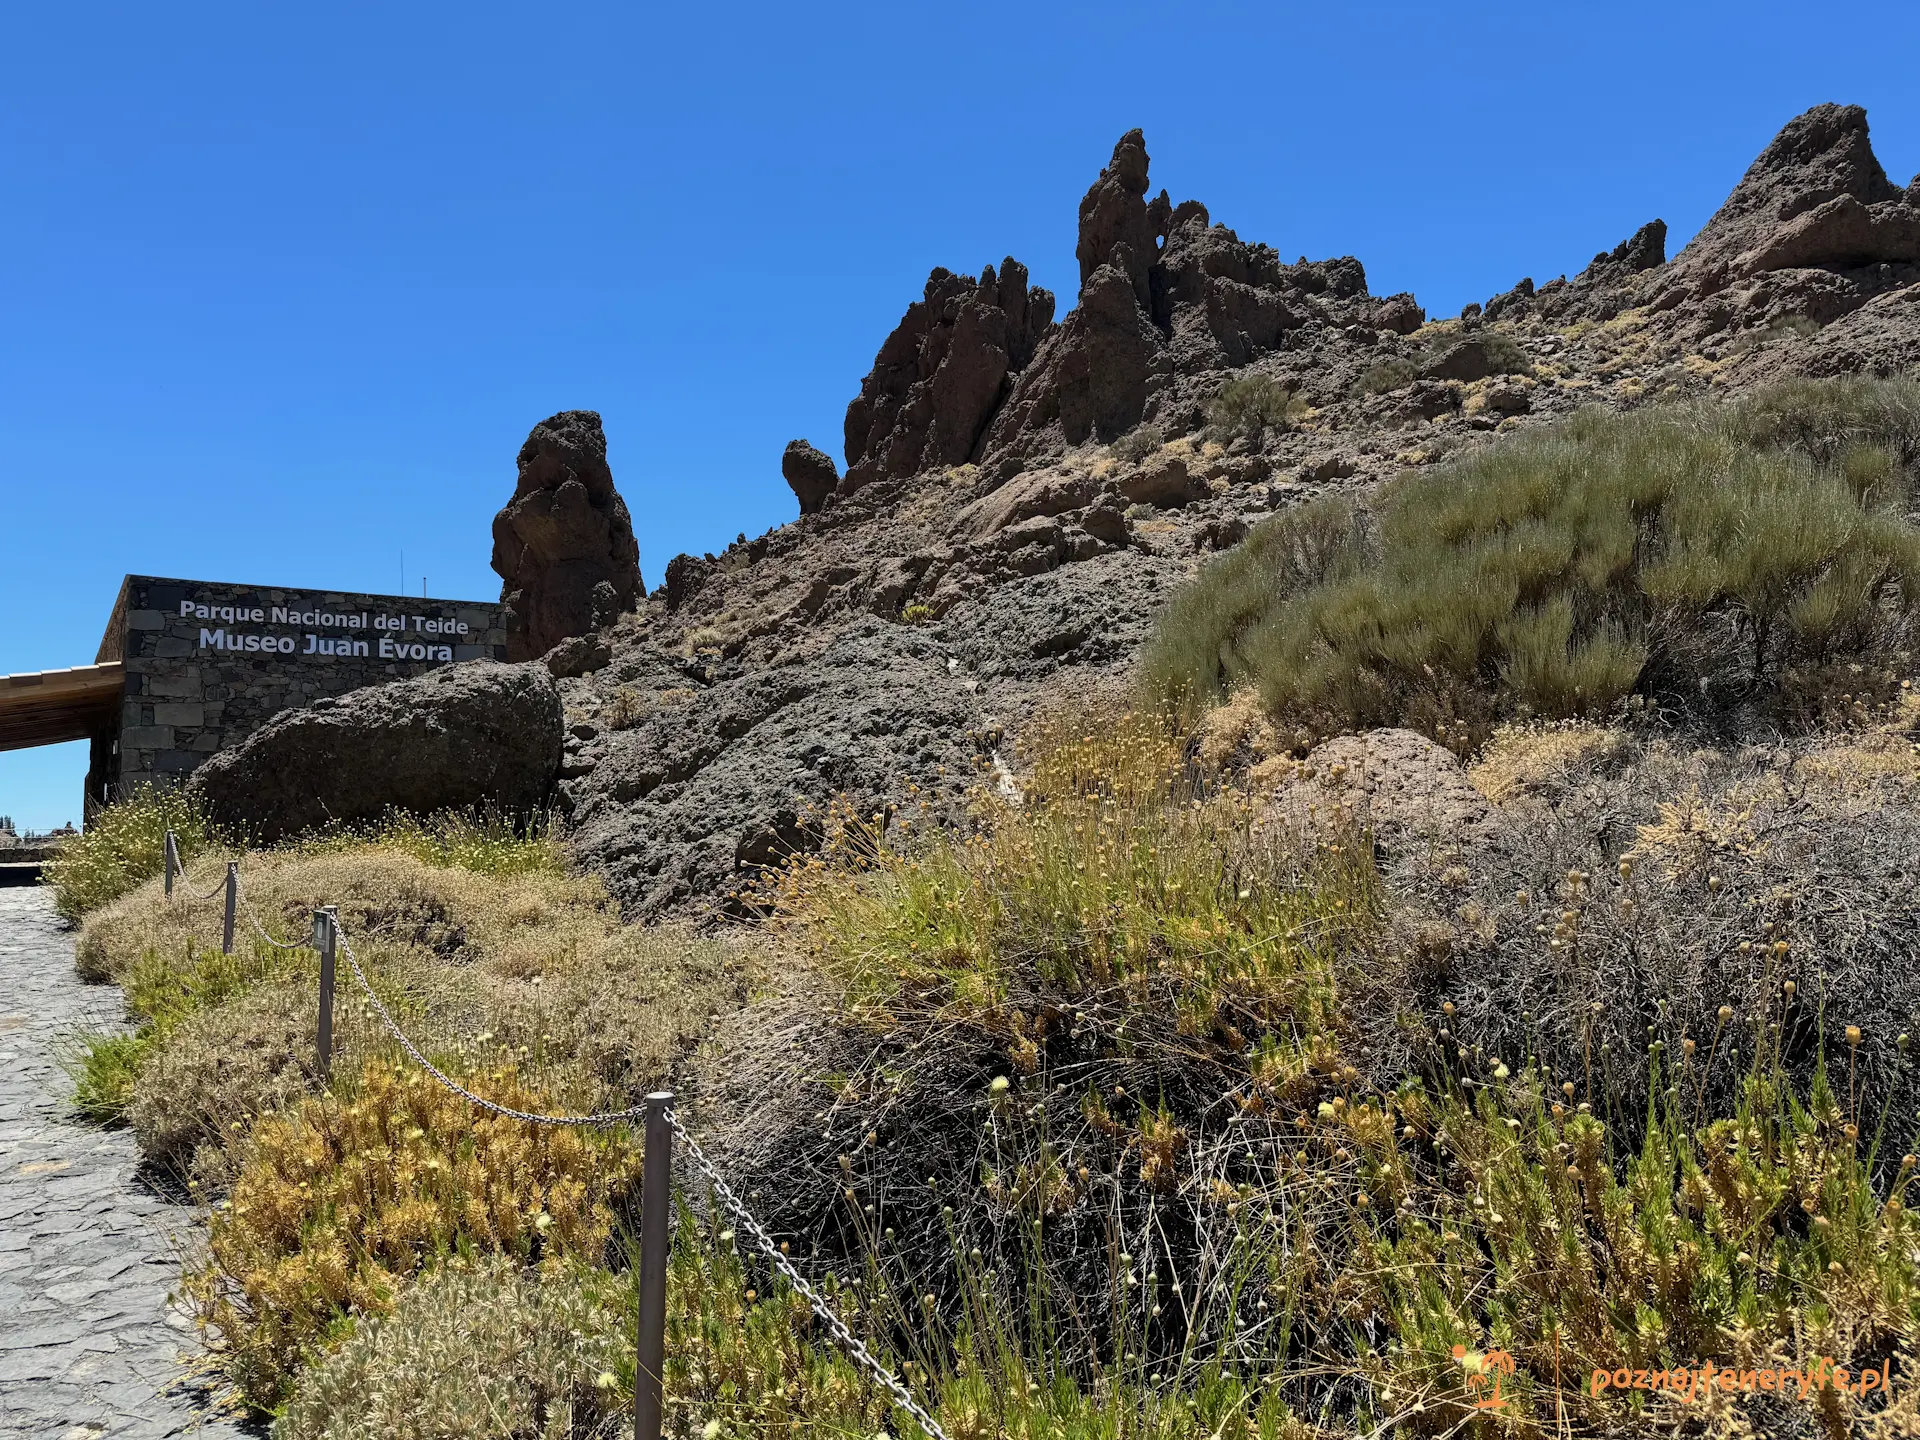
x=343 y=1198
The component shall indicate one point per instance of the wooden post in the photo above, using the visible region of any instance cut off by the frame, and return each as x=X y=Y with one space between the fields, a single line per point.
x=325 y=926
x=233 y=899
x=169 y=860
x=656 y=1196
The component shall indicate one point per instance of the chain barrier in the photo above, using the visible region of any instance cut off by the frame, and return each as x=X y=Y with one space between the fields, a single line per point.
x=211 y=893
x=254 y=920
x=851 y=1343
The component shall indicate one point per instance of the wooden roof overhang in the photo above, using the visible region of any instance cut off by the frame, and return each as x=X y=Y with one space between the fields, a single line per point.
x=46 y=707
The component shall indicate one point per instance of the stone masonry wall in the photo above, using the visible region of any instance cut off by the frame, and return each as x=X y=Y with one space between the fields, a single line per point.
x=208 y=664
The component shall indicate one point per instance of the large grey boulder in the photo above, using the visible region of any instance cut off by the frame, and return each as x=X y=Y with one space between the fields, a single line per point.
x=475 y=734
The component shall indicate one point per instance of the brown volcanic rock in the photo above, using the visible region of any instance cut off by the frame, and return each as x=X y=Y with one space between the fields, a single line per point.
x=1820 y=156
x=1168 y=301
x=941 y=374
x=1882 y=337
x=1645 y=249
x=563 y=546
x=889 y=643
x=1115 y=226
x=1816 y=198
x=1090 y=379
x=810 y=473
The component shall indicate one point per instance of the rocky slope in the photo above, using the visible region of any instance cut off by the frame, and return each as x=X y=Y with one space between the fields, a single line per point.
x=1021 y=494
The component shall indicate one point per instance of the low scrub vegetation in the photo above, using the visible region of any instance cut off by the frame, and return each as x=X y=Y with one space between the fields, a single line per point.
x=1705 y=560
x=343 y=1198
x=332 y=1198
x=483 y=1347
x=1504 y=356
x=1302 y=1184
x=1250 y=405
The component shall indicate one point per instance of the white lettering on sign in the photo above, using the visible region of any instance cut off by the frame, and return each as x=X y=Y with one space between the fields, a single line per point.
x=412 y=650
x=232 y=614
x=390 y=644
x=329 y=645
x=323 y=618
x=251 y=644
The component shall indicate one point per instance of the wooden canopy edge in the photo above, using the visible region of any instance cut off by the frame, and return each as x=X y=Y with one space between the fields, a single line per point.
x=46 y=707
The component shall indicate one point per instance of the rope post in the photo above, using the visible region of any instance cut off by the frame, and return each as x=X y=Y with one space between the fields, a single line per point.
x=169 y=860
x=326 y=928
x=656 y=1192
x=233 y=898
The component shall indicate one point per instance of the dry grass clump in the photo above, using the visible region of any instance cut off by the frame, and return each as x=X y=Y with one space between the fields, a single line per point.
x=487 y=1349
x=1112 y=875
x=342 y=1199
x=1712 y=560
x=1540 y=758
x=387 y=893
x=205 y=1079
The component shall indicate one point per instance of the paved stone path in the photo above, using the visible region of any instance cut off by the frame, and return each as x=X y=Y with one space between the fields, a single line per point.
x=88 y=1343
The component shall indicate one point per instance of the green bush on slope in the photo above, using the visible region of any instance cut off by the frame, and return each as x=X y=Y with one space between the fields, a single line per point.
x=1702 y=557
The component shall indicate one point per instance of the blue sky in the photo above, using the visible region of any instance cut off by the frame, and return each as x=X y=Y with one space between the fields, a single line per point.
x=282 y=288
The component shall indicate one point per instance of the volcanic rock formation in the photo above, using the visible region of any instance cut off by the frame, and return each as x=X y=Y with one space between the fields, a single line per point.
x=810 y=474
x=1167 y=300
x=1813 y=232
x=563 y=546
x=942 y=373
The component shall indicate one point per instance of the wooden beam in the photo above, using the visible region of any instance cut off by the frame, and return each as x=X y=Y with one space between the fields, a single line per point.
x=47 y=707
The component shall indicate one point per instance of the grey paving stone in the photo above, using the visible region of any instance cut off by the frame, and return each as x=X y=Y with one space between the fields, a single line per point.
x=88 y=1343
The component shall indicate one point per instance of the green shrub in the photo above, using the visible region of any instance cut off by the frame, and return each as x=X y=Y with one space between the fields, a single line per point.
x=1504 y=353
x=123 y=845
x=1825 y=418
x=1138 y=443
x=494 y=1350
x=1386 y=375
x=1195 y=643
x=1667 y=552
x=1251 y=404
x=104 y=1068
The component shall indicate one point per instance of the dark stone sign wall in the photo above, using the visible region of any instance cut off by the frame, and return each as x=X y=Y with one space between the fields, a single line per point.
x=207 y=664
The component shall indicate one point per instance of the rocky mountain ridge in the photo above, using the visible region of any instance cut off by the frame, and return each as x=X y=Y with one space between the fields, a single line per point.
x=1021 y=494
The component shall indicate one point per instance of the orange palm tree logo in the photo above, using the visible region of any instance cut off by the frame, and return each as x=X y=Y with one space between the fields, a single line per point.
x=1483 y=1375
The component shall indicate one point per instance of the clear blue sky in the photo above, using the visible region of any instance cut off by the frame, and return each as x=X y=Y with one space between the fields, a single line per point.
x=282 y=288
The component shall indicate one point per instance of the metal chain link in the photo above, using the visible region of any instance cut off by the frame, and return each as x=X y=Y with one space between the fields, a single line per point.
x=211 y=893
x=852 y=1343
